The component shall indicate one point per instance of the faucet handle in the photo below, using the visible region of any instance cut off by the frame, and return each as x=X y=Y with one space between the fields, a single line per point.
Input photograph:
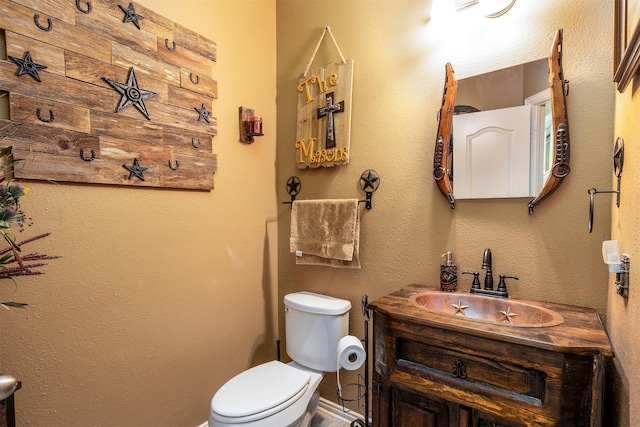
x=476 y=279
x=502 y=287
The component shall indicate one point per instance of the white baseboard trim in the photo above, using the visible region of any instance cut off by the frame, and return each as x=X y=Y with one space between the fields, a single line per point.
x=328 y=407
x=335 y=411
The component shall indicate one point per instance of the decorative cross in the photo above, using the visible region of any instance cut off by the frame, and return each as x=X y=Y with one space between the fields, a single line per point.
x=328 y=111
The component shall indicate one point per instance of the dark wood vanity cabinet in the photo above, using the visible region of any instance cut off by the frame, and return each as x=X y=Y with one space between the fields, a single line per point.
x=433 y=369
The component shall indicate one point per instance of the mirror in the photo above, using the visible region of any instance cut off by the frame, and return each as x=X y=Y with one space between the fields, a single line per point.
x=501 y=122
x=508 y=143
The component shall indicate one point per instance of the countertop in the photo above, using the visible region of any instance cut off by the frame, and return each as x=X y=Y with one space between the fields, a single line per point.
x=581 y=332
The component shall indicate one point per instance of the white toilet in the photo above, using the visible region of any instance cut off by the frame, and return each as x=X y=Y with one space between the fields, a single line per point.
x=275 y=394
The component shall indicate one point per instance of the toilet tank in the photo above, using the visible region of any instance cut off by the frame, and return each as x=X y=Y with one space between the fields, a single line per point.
x=314 y=324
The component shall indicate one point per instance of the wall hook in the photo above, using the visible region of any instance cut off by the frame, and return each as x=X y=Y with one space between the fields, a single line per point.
x=196 y=81
x=36 y=19
x=52 y=116
x=193 y=142
x=369 y=180
x=175 y=166
x=170 y=49
x=618 y=162
x=293 y=188
x=87 y=10
x=87 y=159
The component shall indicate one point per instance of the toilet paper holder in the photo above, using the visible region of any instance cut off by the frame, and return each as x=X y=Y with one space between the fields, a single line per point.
x=361 y=387
x=619 y=264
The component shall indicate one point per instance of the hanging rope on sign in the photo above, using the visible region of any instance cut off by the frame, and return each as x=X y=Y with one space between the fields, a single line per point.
x=313 y=56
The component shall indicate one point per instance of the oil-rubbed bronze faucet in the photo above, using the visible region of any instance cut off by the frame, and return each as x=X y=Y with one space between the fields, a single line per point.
x=501 y=291
x=486 y=265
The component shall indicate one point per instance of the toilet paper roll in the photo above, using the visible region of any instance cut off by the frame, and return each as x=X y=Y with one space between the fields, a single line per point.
x=351 y=355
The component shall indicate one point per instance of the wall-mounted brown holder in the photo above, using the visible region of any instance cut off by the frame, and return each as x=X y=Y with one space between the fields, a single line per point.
x=250 y=125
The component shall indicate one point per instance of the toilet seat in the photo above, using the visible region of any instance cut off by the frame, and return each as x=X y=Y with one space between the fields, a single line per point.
x=259 y=392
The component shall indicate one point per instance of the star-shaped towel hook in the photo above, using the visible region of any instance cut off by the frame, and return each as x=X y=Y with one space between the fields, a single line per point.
x=135 y=170
x=203 y=113
x=369 y=182
x=27 y=66
x=130 y=15
x=370 y=179
x=293 y=185
x=131 y=93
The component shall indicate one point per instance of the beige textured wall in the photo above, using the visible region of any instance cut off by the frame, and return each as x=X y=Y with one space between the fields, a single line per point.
x=622 y=317
x=399 y=57
x=162 y=295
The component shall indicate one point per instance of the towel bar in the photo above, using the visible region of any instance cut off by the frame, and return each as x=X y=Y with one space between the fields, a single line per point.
x=369 y=182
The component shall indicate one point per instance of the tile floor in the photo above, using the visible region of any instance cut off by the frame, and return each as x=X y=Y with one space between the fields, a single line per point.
x=325 y=419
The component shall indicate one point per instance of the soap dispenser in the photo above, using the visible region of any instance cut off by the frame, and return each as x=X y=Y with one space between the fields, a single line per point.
x=448 y=274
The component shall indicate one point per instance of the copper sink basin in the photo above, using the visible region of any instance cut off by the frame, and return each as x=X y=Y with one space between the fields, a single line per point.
x=483 y=309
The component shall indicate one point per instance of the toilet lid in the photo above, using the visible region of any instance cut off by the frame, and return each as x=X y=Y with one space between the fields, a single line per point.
x=259 y=389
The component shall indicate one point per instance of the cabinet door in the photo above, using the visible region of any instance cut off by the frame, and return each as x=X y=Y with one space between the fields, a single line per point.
x=480 y=419
x=411 y=410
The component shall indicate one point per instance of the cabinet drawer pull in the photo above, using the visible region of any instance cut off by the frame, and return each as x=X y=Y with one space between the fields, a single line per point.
x=459 y=370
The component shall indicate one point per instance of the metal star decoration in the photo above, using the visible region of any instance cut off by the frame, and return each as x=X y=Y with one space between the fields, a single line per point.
x=27 y=66
x=130 y=15
x=459 y=308
x=369 y=181
x=507 y=315
x=293 y=185
x=203 y=113
x=131 y=93
x=135 y=170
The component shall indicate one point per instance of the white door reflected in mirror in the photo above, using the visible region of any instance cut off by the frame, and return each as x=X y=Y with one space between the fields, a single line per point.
x=492 y=153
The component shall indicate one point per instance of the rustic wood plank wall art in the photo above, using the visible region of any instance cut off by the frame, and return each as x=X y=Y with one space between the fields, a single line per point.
x=323 y=133
x=107 y=92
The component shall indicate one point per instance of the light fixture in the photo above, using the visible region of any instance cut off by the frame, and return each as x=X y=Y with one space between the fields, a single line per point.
x=461 y=4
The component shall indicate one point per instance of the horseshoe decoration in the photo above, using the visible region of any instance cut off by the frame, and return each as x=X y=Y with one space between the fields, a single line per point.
x=170 y=49
x=194 y=144
x=87 y=159
x=52 y=116
x=175 y=166
x=36 y=19
x=87 y=10
x=196 y=81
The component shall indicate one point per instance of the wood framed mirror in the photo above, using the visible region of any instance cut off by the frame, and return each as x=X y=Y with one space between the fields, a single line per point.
x=490 y=157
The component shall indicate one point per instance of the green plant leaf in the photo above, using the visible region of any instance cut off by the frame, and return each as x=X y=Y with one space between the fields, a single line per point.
x=10 y=240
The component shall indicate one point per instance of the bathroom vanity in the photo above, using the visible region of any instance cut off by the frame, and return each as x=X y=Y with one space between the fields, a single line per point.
x=434 y=366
